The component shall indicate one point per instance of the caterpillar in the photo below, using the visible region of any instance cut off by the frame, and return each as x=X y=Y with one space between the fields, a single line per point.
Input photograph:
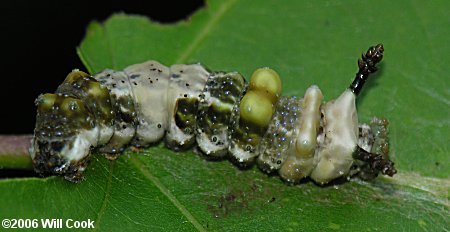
x=219 y=113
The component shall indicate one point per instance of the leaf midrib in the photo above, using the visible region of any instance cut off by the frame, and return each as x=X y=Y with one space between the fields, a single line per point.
x=164 y=190
x=205 y=31
x=105 y=197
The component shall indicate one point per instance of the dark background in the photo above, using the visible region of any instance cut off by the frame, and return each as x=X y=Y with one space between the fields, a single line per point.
x=38 y=41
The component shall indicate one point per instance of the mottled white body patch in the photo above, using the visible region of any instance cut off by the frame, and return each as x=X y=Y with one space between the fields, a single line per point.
x=365 y=140
x=241 y=155
x=105 y=134
x=334 y=157
x=80 y=148
x=149 y=82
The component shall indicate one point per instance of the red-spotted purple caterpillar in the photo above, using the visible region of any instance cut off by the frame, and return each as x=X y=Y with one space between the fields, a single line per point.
x=220 y=112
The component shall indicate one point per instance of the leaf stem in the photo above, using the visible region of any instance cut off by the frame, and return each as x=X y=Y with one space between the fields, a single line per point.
x=14 y=152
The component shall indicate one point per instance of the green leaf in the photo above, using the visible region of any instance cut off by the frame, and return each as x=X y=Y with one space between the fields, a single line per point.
x=307 y=43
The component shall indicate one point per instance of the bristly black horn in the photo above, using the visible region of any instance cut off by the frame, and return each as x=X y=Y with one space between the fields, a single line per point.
x=367 y=65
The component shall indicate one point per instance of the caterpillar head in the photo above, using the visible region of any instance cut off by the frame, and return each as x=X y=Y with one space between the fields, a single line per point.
x=64 y=134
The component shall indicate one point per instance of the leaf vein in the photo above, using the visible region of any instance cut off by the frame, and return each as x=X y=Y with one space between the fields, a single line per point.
x=106 y=197
x=138 y=164
x=205 y=31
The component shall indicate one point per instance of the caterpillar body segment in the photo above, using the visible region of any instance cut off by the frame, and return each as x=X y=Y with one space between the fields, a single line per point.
x=149 y=82
x=301 y=155
x=80 y=85
x=183 y=96
x=122 y=102
x=275 y=145
x=334 y=157
x=222 y=92
x=225 y=116
x=253 y=115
